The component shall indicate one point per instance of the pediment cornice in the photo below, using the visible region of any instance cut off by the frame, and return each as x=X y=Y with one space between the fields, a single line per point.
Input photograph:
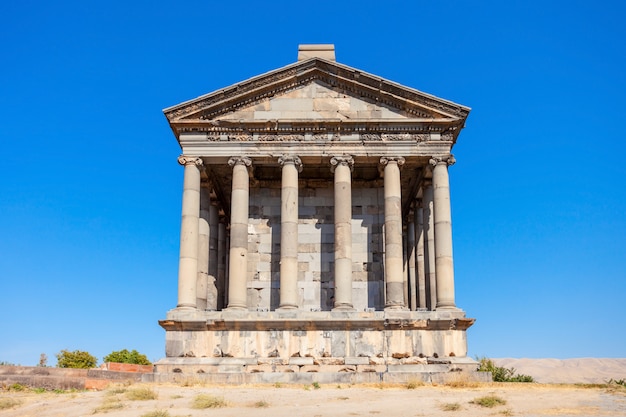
x=415 y=104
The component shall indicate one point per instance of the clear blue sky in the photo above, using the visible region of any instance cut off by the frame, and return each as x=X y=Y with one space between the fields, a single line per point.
x=90 y=189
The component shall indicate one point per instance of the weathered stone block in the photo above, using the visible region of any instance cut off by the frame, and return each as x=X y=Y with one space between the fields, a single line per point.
x=357 y=360
x=301 y=361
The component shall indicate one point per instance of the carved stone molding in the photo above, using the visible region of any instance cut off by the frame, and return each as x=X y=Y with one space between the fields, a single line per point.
x=346 y=160
x=436 y=160
x=187 y=160
x=371 y=136
x=243 y=137
x=415 y=137
x=288 y=138
x=239 y=160
x=397 y=159
x=291 y=159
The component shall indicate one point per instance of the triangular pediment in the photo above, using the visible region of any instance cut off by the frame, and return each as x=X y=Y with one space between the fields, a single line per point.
x=317 y=101
x=316 y=90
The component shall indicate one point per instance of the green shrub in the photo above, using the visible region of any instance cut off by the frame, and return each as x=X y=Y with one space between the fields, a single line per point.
x=501 y=374
x=621 y=382
x=75 y=359
x=124 y=356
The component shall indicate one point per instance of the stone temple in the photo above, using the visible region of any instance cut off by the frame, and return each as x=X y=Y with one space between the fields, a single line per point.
x=316 y=240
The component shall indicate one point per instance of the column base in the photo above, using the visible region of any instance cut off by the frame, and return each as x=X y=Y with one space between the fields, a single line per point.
x=344 y=308
x=396 y=308
x=186 y=307
x=287 y=308
x=447 y=308
x=236 y=308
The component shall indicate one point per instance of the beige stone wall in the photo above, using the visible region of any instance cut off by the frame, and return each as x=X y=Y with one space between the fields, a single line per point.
x=386 y=344
x=315 y=248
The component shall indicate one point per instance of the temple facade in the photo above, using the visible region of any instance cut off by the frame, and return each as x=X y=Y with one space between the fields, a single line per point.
x=316 y=228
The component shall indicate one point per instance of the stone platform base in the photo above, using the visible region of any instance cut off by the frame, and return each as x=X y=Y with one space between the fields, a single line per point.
x=378 y=336
x=323 y=370
x=324 y=346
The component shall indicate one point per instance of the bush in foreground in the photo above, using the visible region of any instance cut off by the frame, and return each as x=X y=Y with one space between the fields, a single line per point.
x=501 y=374
x=124 y=356
x=202 y=401
x=76 y=359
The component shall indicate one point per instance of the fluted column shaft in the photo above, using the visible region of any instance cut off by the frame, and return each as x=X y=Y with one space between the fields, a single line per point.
x=203 y=248
x=212 y=287
x=291 y=165
x=222 y=259
x=419 y=250
x=394 y=276
x=238 y=258
x=412 y=262
x=188 y=259
x=429 y=247
x=342 y=167
x=443 y=233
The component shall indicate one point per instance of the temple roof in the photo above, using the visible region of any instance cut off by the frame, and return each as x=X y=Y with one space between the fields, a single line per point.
x=318 y=94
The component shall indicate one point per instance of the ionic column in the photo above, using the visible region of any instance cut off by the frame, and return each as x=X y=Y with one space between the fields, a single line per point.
x=203 y=248
x=292 y=165
x=429 y=247
x=443 y=233
x=238 y=254
x=212 y=285
x=188 y=259
x=419 y=249
x=341 y=166
x=393 y=233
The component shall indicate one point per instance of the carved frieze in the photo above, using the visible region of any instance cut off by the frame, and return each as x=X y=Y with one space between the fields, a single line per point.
x=371 y=136
x=415 y=137
x=242 y=137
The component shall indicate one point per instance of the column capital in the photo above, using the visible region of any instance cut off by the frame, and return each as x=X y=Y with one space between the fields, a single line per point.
x=188 y=160
x=345 y=160
x=436 y=160
x=290 y=159
x=386 y=159
x=239 y=160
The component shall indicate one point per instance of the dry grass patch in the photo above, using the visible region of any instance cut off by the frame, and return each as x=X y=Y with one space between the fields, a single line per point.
x=261 y=404
x=109 y=405
x=202 y=401
x=414 y=384
x=141 y=394
x=157 y=413
x=488 y=401
x=116 y=389
x=462 y=382
x=451 y=407
x=6 y=403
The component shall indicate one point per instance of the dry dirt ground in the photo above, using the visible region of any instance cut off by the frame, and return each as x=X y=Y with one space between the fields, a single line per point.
x=325 y=400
